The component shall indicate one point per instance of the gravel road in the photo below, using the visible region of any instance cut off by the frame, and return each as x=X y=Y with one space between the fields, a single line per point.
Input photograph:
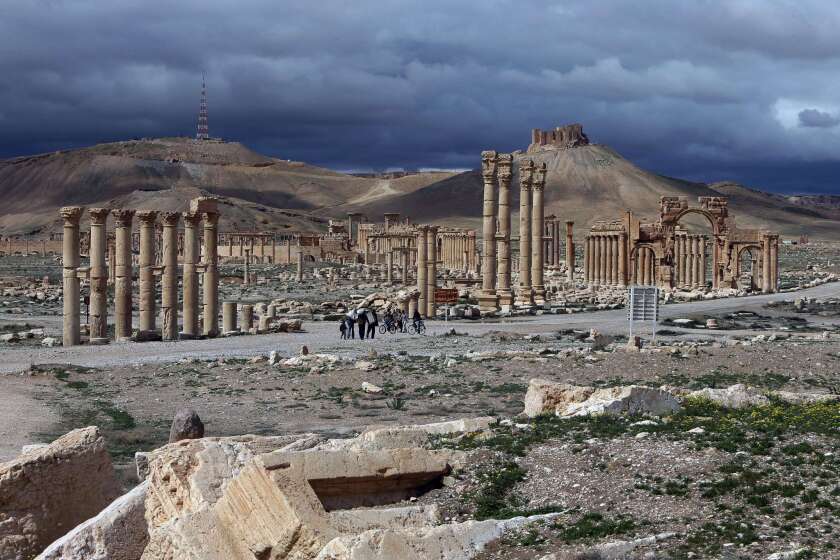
x=323 y=337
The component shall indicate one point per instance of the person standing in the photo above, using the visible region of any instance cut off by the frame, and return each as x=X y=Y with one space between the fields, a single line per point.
x=361 y=319
x=350 y=319
x=343 y=328
x=372 y=322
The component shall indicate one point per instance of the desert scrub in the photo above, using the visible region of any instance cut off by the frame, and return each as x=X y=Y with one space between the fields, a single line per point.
x=495 y=497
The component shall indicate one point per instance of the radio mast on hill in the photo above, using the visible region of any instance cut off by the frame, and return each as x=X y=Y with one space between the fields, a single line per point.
x=202 y=132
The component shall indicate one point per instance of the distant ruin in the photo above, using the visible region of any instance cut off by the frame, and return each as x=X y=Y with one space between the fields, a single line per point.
x=665 y=254
x=568 y=136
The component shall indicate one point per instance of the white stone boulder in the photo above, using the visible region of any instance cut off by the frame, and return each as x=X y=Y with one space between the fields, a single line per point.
x=734 y=396
x=562 y=399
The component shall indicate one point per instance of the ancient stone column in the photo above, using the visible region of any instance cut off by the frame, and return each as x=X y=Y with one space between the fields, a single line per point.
x=422 y=249
x=112 y=259
x=526 y=175
x=643 y=261
x=404 y=265
x=431 y=270
x=765 y=264
x=684 y=260
x=190 y=282
x=412 y=305
x=300 y=265
x=698 y=247
x=774 y=264
x=70 y=265
x=622 y=258
x=246 y=275
x=228 y=317
x=247 y=317
x=537 y=234
x=487 y=298
x=389 y=272
x=169 y=280
x=570 y=251
x=503 y=286
x=123 y=283
x=98 y=315
x=147 y=270
x=611 y=268
x=587 y=259
x=211 y=274
x=602 y=259
x=677 y=258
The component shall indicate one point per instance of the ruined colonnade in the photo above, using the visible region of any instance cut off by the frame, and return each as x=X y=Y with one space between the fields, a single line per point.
x=122 y=267
x=496 y=254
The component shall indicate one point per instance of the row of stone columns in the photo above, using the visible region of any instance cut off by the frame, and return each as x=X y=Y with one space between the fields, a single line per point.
x=427 y=269
x=689 y=261
x=121 y=263
x=496 y=257
x=644 y=266
x=458 y=250
x=605 y=258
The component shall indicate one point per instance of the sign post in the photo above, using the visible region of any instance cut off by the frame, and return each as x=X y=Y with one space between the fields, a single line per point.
x=643 y=305
x=446 y=297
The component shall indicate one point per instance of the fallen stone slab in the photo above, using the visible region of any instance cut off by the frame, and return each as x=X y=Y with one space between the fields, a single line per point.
x=48 y=491
x=734 y=396
x=564 y=400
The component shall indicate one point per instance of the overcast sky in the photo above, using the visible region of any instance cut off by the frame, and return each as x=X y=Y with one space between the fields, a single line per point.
x=705 y=90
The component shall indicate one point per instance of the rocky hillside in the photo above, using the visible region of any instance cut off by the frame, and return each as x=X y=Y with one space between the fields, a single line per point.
x=261 y=192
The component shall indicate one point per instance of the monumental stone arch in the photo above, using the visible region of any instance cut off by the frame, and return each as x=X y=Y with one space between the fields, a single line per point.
x=664 y=253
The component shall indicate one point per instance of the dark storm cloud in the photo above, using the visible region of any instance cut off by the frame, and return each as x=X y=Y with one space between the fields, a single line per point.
x=705 y=90
x=817 y=119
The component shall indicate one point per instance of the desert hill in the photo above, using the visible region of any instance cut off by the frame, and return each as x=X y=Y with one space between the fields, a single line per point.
x=585 y=182
x=261 y=193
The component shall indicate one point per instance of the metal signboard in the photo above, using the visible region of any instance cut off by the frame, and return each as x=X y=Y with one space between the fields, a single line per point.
x=643 y=305
x=446 y=296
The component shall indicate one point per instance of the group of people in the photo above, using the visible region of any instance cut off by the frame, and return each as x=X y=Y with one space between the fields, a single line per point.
x=367 y=320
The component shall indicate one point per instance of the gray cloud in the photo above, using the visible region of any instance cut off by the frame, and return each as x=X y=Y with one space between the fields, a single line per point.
x=817 y=119
x=712 y=90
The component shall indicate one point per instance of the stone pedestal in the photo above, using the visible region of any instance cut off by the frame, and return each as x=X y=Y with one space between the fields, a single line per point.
x=190 y=282
x=247 y=317
x=229 y=317
x=169 y=282
x=123 y=282
x=70 y=265
x=98 y=314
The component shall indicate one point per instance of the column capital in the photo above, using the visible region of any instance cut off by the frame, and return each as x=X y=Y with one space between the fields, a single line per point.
x=488 y=165
x=211 y=219
x=170 y=219
x=526 y=174
x=505 y=163
x=123 y=217
x=98 y=216
x=192 y=218
x=71 y=214
x=147 y=217
x=538 y=181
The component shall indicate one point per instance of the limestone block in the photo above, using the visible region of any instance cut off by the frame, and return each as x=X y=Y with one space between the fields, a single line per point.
x=633 y=399
x=544 y=396
x=50 y=490
x=117 y=533
x=735 y=396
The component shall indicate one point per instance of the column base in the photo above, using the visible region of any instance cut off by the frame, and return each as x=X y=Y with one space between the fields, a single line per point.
x=525 y=296
x=539 y=295
x=98 y=341
x=505 y=299
x=488 y=302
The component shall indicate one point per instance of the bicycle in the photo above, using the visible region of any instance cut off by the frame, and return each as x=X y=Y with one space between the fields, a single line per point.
x=390 y=328
x=418 y=328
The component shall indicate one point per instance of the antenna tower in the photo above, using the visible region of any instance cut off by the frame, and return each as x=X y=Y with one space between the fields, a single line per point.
x=202 y=132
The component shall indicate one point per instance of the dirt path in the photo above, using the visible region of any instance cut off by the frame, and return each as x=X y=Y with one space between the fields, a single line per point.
x=22 y=414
